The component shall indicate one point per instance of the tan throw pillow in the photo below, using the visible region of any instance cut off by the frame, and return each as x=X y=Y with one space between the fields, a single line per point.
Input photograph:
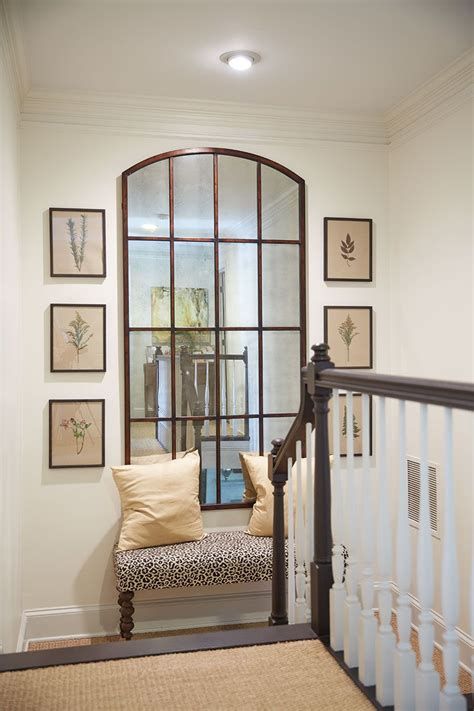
x=159 y=458
x=160 y=503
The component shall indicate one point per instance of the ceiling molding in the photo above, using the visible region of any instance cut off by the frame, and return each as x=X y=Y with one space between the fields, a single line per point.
x=432 y=101
x=198 y=119
x=11 y=49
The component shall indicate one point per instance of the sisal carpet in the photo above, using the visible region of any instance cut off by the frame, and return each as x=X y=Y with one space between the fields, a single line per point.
x=300 y=676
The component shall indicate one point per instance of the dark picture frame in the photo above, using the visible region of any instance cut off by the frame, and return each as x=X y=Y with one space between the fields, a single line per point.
x=340 y=333
x=342 y=398
x=341 y=249
x=79 y=336
x=77 y=247
x=72 y=434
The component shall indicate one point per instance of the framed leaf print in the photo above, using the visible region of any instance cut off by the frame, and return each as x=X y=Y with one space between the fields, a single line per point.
x=77 y=338
x=77 y=242
x=76 y=433
x=348 y=332
x=357 y=423
x=347 y=249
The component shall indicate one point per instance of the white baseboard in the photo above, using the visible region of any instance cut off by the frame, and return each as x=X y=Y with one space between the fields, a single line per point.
x=199 y=607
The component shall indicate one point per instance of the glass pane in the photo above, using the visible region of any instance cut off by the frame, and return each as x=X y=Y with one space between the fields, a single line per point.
x=149 y=284
x=149 y=438
x=193 y=196
x=280 y=285
x=238 y=285
x=194 y=285
x=239 y=373
x=281 y=371
x=201 y=435
x=150 y=374
x=279 y=205
x=195 y=373
x=148 y=201
x=275 y=428
x=237 y=197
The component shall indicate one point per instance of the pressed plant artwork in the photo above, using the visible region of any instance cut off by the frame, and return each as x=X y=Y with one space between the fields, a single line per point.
x=77 y=337
x=348 y=332
x=357 y=422
x=76 y=433
x=77 y=242
x=347 y=249
x=355 y=425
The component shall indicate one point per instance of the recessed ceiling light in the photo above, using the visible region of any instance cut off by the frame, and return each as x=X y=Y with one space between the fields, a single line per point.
x=149 y=227
x=240 y=60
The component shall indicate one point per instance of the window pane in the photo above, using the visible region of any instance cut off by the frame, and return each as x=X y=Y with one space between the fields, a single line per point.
x=239 y=373
x=237 y=197
x=281 y=371
x=150 y=374
x=193 y=196
x=149 y=438
x=148 y=201
x=280 y=285
x=201 y=435
x=238 y=285
x=194 y=285
x=279 y=205
x=149 y=284
x=195 y=373
x=275 y=428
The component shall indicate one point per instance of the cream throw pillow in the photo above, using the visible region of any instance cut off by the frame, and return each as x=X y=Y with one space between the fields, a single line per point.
x=160 y=503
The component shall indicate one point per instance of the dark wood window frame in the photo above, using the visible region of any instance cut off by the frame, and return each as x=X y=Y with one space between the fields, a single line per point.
x=260 y=329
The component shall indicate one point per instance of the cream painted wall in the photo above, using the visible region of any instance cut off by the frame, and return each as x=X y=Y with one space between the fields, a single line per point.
x=432 y=315
x=71 y=516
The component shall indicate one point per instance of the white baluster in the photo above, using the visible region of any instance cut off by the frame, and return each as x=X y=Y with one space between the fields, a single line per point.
x=385 y=638
x=299 y=537
x=337 y=594
x=451 y=698
x=291 y=546
x=367 y=622
x=352 y=604
x=427 y=678
x=206 y=400
x=405 y=659
x=309 y=525
x=235 y=423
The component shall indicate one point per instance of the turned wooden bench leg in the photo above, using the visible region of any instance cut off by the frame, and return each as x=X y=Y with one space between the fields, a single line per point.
x=126 y=613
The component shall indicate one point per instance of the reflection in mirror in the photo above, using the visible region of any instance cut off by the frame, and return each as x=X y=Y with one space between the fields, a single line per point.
x=193 y=196
x=149 y=284
x=202 y=435
x=280 y=285
x=195 y=373
x=232 y=481
x=239 y=373
x=281 y=367
x=238 y=284
x=194 y=285
x=150 y=374
x=148 y=201
x=149 y=438
x=237 y=198
x=275 y=428
x=279 y=205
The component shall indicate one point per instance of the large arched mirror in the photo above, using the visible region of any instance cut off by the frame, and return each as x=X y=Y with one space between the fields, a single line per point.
x=214 y=289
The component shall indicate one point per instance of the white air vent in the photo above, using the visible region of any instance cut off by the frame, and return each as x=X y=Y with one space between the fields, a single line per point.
x=413 y=473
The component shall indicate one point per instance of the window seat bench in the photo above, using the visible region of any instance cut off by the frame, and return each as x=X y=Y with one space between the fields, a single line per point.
x=222 y=557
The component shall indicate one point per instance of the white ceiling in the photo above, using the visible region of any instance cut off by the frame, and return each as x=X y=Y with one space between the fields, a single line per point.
x=326 y=55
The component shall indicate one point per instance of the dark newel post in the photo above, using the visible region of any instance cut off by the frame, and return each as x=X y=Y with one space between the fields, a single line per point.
x=321 y=569
x=279 y=615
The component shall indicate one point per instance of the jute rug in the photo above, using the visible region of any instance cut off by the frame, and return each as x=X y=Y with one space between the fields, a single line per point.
x=291 y=676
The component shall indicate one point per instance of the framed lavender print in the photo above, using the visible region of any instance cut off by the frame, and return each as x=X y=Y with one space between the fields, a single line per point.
x=348 y=332
x=76 y=433
x=77 y=338
x=77 y=242
x=347 y=249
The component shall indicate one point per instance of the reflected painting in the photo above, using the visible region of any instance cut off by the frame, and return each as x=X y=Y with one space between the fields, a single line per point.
x=191 y=310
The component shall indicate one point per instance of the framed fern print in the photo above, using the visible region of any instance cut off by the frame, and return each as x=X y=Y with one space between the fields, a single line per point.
x=348 y=332
x=77 y=242
x=356 y=425
x=347 y=249
x=77 y=338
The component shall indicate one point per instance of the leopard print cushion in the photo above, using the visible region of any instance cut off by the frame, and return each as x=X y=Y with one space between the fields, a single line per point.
x=220 y=558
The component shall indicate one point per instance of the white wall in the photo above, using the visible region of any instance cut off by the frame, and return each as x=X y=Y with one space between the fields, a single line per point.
x=432 y=316
x=71 y=516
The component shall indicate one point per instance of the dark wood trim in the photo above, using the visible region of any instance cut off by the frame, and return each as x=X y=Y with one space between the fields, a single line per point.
x=104 y=341
x=172 y=306
x=51 y=403
x=126 y=320
x=371 y=333
x=212 y=329
x=348 y=219
x=52 y=273
x=302 y=274
x=217 y=344
x=444 y=393
x=261 y=447
x=222 y=240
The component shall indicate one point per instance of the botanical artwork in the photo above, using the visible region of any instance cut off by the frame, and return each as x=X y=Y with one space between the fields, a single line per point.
x=348 y=332
x=77 y=242
x=347 y=249
x=77 y=337
x=76 y=433
x=357 y=422
x=191 y=310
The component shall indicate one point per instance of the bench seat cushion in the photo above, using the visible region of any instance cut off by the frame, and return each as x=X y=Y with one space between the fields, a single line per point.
x=220 y=558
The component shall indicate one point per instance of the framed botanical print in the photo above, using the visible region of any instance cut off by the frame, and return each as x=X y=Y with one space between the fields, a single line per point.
x=347 y=249
x=348 y=332
x=357 y=422
x=77 y=242
x=76 y=433
x=77 y=338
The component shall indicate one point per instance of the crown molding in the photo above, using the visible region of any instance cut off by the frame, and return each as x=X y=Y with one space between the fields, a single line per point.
x=198 y=119
x=11 y=51
x=432 y=101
